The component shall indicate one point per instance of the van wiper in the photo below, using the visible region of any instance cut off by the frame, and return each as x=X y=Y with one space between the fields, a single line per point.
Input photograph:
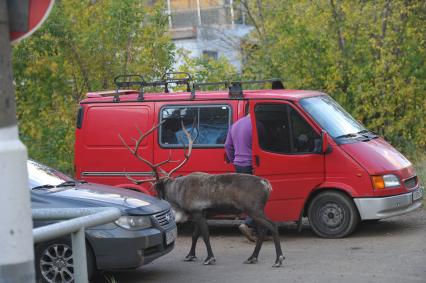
x=368 y=134
x=351 y=135
x=43 y=187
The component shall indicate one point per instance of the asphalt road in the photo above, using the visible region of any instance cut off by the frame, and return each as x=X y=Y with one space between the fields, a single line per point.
x=392 y=250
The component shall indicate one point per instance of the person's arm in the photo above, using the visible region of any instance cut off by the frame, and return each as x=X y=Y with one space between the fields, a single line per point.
x=229 y=147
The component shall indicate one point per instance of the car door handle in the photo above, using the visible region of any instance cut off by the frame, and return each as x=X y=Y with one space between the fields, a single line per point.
x=257 y=160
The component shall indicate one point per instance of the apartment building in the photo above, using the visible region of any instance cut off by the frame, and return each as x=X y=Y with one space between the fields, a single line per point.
x=208 y=27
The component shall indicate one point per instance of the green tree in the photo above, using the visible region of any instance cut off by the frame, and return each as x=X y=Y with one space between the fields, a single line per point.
x=205 y=68
x=369 y=55
x=82 y=46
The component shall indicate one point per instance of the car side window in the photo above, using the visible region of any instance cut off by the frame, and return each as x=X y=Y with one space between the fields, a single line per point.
x=281 y=129
x=207 y=124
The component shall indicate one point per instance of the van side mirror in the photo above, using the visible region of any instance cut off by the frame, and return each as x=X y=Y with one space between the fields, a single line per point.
x=324 y=142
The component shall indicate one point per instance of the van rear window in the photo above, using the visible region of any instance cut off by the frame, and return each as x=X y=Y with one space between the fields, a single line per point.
x=207 y=124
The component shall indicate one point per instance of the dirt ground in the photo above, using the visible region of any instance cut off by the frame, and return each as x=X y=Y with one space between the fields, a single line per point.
x=391 y=250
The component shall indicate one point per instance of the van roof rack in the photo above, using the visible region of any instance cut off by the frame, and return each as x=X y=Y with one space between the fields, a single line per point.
x=128 y=81
x=178 y=78
x=235 y=88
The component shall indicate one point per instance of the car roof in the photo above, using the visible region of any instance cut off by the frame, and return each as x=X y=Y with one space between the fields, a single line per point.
x=132 y=95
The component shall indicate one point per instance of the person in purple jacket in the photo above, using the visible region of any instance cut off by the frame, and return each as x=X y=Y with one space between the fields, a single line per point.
x=238 y=147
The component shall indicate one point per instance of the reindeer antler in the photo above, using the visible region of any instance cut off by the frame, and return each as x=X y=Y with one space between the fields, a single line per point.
x=134 y=151
x=186 y=151
x=155 y=167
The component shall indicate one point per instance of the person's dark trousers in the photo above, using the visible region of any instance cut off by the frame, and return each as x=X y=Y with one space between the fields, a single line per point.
x=244 y=169
x=247 y=170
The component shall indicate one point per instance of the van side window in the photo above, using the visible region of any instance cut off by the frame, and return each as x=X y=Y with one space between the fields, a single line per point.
x=272 y=124
x=281 y=129
x=305 y=139
x=211 y=125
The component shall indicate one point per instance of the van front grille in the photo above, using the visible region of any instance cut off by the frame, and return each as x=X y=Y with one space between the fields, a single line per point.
x=164 y=218
x=411 y=182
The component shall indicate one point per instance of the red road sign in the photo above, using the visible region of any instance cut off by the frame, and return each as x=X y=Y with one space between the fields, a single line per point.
x=26 y=16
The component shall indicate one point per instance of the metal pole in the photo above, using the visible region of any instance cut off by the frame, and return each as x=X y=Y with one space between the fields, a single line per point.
x=169 y=13
x=78 y=242
x=199 y=12
x=16 y=243
x=81 y=217
x=231 y=4
x=59 y=229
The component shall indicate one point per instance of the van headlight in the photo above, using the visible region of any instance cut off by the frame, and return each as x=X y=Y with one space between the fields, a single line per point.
x=385 y=181
x=134 y=222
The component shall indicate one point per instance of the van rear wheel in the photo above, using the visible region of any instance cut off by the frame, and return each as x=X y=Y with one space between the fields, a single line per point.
x=332 y=215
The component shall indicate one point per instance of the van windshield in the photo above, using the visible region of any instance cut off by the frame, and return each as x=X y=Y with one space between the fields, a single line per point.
x=332 y=117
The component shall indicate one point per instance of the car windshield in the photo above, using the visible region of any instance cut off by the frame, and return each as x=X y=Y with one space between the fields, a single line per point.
x=332 y=117
x=41 y=175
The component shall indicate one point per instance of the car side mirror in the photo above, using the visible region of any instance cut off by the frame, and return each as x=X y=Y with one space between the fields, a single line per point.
x=324 y=142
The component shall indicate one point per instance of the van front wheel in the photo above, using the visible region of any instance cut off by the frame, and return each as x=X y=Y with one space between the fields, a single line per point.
x=332 y=215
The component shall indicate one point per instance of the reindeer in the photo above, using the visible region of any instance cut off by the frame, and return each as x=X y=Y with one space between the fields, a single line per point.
x=197 y=194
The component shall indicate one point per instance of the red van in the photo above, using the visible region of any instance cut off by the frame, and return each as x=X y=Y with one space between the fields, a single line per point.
x=321 y=162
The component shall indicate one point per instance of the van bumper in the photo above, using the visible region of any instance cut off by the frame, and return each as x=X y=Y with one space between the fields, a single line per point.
x=384 y=207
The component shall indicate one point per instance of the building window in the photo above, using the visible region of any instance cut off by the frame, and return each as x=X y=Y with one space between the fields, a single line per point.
x=207 y=124
x=183 y=5
x=210 y=54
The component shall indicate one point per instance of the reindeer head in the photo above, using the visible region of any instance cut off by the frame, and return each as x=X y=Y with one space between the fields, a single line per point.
x=161 y=177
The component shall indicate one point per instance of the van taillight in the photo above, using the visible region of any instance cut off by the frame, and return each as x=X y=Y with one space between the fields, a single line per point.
x=80 y=117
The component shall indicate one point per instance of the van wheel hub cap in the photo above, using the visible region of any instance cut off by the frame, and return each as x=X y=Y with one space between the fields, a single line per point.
x=332 y=215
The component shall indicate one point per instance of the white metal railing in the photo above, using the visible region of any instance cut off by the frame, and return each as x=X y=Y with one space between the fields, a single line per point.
x=77 y=219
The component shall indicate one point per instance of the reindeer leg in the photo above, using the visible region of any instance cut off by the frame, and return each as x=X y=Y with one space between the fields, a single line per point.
x=204 y=230
x=280 y=257
x=264 y=222
x=195 y=235
x=259 y=241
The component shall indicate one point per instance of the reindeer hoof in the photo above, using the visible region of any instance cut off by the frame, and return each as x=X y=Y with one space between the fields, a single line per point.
x=190 y=258
x=209 y=261
x=251 y=260
x=279 y=261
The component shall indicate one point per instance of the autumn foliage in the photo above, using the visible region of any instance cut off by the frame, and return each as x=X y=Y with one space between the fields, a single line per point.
x=368 y=55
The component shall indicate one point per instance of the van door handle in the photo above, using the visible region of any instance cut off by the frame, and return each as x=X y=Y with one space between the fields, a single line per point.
x=257 y=160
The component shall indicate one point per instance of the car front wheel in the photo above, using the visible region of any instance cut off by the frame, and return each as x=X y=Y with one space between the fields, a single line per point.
x=332 y=214
x=54 y=262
